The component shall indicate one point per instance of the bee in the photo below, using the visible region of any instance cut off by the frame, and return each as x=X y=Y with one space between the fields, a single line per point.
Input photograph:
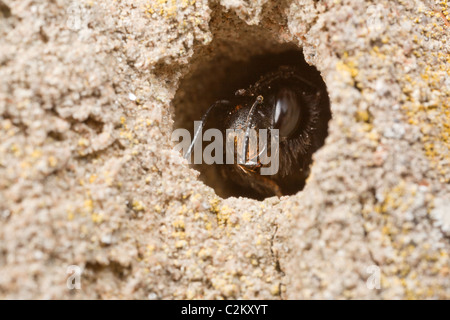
x=282 y=99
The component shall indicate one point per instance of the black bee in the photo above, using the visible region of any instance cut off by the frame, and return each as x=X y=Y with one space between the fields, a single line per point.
x=282 y=100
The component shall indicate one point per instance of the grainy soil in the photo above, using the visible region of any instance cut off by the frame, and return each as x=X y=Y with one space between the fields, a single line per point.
x=89 y=177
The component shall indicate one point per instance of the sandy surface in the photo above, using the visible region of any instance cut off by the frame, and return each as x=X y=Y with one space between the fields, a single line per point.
x=88 y=176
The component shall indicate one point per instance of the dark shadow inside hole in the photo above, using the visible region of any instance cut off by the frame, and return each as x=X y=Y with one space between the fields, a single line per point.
x=218 y=77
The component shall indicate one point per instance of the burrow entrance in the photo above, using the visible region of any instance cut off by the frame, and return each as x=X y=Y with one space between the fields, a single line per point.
x=236 y=58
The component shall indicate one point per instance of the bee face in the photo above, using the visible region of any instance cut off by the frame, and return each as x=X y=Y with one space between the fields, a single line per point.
x=240 y=122
x=283 y=100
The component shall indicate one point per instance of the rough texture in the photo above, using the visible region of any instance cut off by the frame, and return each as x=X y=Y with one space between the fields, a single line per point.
x=88 y=176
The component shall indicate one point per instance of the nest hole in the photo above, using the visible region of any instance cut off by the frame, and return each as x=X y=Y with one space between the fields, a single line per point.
x=235 y=59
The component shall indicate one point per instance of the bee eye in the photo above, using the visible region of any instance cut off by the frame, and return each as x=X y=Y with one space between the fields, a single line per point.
x=287 y=112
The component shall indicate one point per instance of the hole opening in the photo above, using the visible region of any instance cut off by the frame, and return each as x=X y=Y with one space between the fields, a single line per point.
x=226 y=65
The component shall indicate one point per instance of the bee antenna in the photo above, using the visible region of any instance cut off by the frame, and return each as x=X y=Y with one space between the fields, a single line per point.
x=200 y=128
x=258 y=101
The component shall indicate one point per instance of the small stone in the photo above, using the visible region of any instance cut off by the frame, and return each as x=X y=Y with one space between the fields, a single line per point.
x=132 y=97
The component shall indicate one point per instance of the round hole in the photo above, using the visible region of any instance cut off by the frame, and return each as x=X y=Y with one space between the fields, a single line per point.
x=215 y=74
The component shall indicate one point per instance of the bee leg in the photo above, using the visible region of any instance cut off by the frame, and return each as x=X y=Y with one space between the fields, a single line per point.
x=265 y=183
x=200 y=128
x=258 y=101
